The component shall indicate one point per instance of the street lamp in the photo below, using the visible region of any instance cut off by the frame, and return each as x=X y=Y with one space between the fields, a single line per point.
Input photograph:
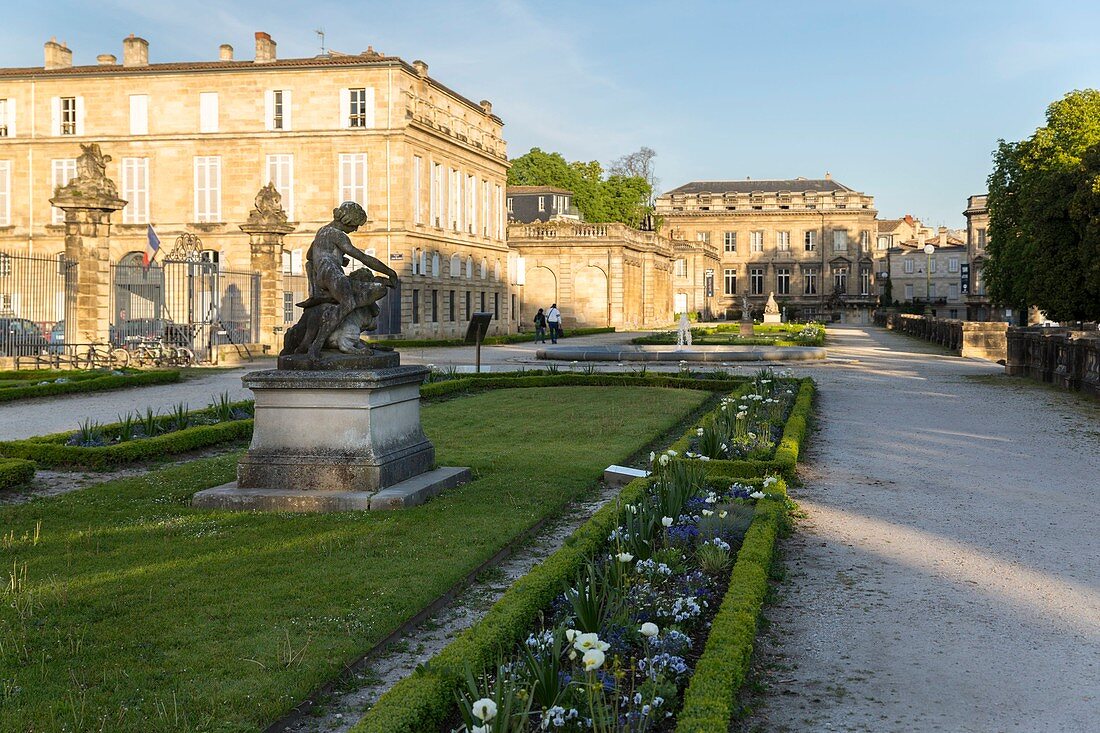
x=929 y=249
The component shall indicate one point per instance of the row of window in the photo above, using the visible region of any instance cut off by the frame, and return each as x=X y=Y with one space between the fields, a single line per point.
x=782 y=240
x=430 y=311
x=420 y=266
x=67 y=113
x=909 y=264
x=457 y=200
x=783 y=280
x=950 y=291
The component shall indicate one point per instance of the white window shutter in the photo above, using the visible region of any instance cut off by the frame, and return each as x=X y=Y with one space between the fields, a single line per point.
x=55 y=116
x=269 y=109
x=345 y=108
x=11 y=118
x=139 y=114
x=80 y=116
x=287 y=107
x=370 y=107
x=296 y=261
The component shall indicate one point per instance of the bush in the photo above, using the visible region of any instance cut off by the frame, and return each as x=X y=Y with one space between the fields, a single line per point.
x=475 y=382
x=86 y=382
x=710 y=699
x=15 y=472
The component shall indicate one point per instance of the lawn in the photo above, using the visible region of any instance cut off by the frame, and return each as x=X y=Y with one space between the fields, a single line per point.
x=728 y=334
x=130 y=611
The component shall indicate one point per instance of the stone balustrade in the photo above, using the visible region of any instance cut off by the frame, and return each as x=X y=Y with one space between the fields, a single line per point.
x=982 y=340
x=1061 y=356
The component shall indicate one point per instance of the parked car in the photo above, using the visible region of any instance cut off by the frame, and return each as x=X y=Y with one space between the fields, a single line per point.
x=20 y=337
x=56 y=337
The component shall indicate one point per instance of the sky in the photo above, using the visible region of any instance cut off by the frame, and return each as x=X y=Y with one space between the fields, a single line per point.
x=898 y=99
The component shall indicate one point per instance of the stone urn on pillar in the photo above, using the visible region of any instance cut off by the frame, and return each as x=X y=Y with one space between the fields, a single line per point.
x=266 y=227
x=337 y=424
x=746 y=328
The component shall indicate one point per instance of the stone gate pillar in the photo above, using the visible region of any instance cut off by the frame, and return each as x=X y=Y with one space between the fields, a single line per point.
x=88 y=202
x=266 y=227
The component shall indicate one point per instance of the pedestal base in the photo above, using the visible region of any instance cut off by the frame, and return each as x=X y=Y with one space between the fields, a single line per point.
x=746 y=329
x=772 y=318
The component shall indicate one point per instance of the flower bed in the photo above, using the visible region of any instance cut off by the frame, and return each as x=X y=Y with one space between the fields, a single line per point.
x=642 y=579
x=508 y=338
x=137 y=437
x=17 y=385
x=787 y=334
x=15 y=472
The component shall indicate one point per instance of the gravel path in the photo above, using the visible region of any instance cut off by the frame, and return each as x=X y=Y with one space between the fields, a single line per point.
x=945 y=577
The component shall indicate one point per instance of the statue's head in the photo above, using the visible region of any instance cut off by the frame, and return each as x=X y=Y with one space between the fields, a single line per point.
x=349 y=214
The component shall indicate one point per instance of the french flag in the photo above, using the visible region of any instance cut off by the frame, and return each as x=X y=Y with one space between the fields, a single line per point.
x=151 y=248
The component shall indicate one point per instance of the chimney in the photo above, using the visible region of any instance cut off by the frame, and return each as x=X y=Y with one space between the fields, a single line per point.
x=421 y=68
x=265 y=48
x=58 y=55
x=943 y=236
x=106 y=59
x=135 y=51
x=909 y=219
x=828 y=176
x=487 y=106
x=225 y=52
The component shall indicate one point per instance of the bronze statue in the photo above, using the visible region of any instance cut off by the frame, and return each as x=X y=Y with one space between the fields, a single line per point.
x=340 y=306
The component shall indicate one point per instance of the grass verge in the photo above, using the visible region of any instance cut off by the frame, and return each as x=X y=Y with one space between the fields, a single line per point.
x=136 y=612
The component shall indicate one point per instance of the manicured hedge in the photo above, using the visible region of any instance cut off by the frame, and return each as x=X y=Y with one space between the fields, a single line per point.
x=15 y=472
x=87 y=383
x=710 y=699
x=519 y=379
x=508 y=338
x=423 y=701
x=786 y=453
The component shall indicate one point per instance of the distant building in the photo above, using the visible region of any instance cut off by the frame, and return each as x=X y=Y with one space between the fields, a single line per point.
x=978 y=305
x=919 y=279
x=527 y=204
x=807 y=240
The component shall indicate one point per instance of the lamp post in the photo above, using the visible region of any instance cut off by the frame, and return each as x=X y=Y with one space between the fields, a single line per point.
x=929 y=249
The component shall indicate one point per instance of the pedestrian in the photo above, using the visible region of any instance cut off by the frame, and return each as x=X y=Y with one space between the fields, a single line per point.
x=540 y=327
x=553 y=319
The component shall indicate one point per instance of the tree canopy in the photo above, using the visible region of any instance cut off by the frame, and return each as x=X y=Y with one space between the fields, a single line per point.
x=620 y=196
x=1044 y=214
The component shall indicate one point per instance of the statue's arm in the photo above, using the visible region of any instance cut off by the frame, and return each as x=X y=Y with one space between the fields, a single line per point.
x=373 y=263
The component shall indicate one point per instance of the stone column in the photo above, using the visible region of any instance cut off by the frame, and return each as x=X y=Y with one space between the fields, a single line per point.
x=267 y=226
x=88 y=202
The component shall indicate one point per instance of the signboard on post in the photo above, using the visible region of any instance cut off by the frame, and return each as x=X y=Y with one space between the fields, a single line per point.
x=964 y=278
x=475 y=333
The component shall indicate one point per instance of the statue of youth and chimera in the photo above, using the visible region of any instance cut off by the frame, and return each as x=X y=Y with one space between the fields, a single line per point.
x=340 y=305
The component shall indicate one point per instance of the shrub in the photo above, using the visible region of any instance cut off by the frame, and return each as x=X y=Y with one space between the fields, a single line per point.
x=15 y=472
x=87 y=382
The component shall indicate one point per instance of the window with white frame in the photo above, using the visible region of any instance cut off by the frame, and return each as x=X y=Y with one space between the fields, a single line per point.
x=909 y=291
x=353 y=178
x=63 y=170
x=783 y=281
x=280 y=172
x=953 y=264
x=681 y=268
x=208 y=112
x=418 y=211
x=435 y=213
x=864 y=281
x=359 y=107
x=454 y=204
x=7 y=128
x=277 y=109
x=910 y=266
x=208 y=188
x=139 y=114
x=509 y=204
x=486 y=207
x=471 y=204
x=703 y=237
x=456 y=265
x=135 y=190
x=5 y=193
x=931 y=264
x=756 y=241
x=953 y=291
x=840 y=278
x=865 y=239
x=981 y=238
x=501 y=217
x=542 y=203
x=414 y=263
x=69 y=116
x=729 y=241
x=809 y=241
x=756 y=281
x=729 y=277
x=809 y=281
x=783 y=241
x=840 y=240
x=884 y=242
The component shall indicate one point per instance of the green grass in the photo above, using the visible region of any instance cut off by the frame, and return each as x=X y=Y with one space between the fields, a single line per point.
x=135 y=612
x=728 y=334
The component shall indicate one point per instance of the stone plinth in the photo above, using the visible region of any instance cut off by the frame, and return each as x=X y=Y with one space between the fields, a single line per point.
x=772 y=317
x=265 y=241
x=746 y=328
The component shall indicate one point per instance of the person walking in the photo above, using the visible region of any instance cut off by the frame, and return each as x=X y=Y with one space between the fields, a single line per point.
x=553 y=319
x=540 y=327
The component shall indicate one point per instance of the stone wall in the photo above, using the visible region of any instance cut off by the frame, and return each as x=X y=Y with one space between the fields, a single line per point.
x=966 y=338
x=1060 y=356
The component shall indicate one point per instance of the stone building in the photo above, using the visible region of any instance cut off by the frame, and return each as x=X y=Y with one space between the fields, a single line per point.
x=978 y=305
x=808 y=241
x=937 y=280
x=527 y=204
x=191 y=143
x=600 y=275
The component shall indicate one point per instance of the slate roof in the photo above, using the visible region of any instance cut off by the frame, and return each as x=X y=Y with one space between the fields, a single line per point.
x=538 y=189
x=795 y=185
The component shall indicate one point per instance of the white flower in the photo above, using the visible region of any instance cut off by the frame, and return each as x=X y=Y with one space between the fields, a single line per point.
x=708 y=513
x=584 y=642
x=484 y=709
x=742 y=407
x=752 y=436
x=704 y=458
x=711 y=498
x=482 y=729
x=770 y=481
x=742 y=415
x=666 y=521
x=649 y=629
x=722 y=514
x=671 y=452
x=698 y=431
x=632 y=509
x=624 y=557
x=652 y=456
x=757 y=495
x=593 y=659
x=663 y=460
x=572 y=655
x=570 y=634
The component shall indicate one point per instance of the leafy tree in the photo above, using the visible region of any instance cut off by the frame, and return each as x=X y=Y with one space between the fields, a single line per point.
x=599 y=197
x=1044 y=214
x=638 y=164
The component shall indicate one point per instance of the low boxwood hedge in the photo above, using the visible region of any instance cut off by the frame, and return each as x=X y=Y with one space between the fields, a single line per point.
x=15 y=472
x=85 y=382
x=710 y=699
x=507 y=338
x=476 y=382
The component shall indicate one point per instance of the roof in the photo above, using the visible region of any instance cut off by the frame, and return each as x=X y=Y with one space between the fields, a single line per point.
x=795 y=185
x=328 y=60
x=538 y=189
x=889 y=225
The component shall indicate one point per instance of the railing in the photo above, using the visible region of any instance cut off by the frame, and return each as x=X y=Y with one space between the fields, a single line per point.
x=614 y=231
x=983 y=340
x=35 y=295
x=1067 y=358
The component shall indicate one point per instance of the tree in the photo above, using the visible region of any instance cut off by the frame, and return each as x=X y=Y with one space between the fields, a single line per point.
x=638 y=164
x=1044 y=214
x=612 y=198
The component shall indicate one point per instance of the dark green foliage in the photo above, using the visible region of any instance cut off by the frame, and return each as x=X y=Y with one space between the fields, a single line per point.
x=15 y=472
x=78 y=382
x=1044 y=214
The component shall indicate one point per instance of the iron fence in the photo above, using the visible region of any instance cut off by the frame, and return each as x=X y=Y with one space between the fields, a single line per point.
x=35 y=299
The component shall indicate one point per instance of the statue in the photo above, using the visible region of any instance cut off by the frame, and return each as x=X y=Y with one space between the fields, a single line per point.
x=340 y=306
x=771 y=310
x=91 y=179
x=269 y=207
x=746 y=329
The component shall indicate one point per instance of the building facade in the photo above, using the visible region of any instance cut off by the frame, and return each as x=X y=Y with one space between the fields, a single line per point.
x=191 y=143
x=605 y=274
x=936 y=280
x=808 y=241
x=528 y=204
x=978 y=305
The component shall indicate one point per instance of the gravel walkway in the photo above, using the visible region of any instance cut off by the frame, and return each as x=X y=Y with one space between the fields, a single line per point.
x=945 y=577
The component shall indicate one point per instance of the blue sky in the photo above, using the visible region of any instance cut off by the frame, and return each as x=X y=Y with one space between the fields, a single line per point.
x=902 y=100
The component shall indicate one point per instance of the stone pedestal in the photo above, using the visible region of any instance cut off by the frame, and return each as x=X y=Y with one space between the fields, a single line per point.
x=335 y=440
x=88 y=243
x=772 y=317
x=746 y=328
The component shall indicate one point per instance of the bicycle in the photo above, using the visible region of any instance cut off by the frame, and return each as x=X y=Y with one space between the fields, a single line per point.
x=103 y=356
